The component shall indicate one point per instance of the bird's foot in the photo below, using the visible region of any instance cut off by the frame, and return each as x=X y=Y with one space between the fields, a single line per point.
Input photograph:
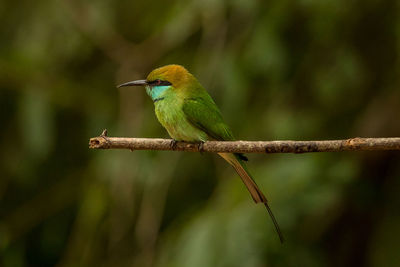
x=200 y=147
x=173 y=144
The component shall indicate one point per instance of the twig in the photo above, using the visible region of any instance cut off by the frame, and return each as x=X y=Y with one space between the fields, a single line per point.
x=353 y=144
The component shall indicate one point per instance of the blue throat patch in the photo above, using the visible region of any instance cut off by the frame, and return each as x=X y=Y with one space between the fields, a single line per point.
x=156 y=92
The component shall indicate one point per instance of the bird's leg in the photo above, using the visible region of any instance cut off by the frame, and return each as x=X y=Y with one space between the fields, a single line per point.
x=173 y=143
x=200 y=147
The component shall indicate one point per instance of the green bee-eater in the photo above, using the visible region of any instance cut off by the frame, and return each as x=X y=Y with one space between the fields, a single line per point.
x=188 y=113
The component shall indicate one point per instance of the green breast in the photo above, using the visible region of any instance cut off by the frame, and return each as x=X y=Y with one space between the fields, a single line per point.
x=171 y=116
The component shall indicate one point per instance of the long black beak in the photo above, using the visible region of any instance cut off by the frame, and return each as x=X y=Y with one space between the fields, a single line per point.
x=133 y=83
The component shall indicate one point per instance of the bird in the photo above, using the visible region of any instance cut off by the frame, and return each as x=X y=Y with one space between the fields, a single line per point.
x=188 y=113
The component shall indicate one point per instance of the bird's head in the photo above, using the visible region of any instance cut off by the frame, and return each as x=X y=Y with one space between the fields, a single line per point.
x=164 y=79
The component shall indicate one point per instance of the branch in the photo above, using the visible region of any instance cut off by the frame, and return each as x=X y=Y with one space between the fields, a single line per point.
x=353 y=144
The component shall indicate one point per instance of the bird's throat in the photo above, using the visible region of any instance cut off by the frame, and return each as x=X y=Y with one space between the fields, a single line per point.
x=156 y=92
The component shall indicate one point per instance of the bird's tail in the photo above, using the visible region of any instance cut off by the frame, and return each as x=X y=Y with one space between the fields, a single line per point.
x=251 y=185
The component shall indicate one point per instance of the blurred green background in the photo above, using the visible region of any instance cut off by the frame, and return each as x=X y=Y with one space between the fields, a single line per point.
x=300 y=70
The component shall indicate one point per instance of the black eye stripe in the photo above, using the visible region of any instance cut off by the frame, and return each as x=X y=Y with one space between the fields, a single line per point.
x=158 y=83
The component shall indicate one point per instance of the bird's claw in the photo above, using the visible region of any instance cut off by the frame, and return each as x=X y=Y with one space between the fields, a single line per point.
x=200 y=147
x=173 y=144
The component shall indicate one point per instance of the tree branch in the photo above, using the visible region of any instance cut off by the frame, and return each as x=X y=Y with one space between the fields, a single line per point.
x=353 y=144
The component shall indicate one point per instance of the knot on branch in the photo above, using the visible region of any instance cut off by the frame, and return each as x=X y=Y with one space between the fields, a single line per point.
x=100 y=141
x=304 y=148
x=355 y=142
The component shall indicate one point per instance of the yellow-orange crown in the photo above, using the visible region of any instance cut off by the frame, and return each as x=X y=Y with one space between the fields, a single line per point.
x=175 y=74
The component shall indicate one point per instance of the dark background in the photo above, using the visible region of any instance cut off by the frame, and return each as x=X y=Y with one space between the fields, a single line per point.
x=299 y=70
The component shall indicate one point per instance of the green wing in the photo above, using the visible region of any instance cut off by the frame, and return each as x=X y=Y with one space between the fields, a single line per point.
x=204 y=114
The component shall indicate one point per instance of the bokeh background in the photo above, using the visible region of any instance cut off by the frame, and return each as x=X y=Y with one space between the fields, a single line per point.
x=300 y=70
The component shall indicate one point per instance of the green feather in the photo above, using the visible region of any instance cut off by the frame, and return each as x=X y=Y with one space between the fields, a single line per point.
x=204 y=114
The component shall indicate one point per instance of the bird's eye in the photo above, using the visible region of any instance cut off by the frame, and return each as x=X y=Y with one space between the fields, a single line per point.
x=158 y=82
